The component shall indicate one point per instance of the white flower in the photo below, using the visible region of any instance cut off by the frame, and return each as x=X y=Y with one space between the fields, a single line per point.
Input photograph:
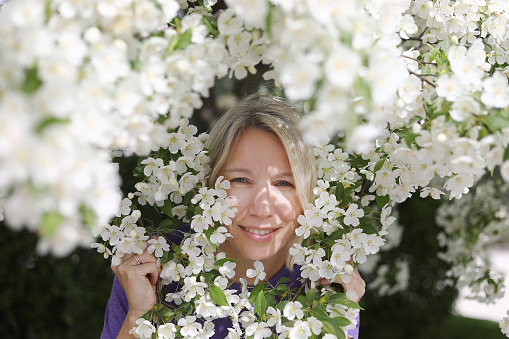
x=257 y=273
x=258 y=330
x=431 y=192
x=189 y=326
x=306 y=226
x=299 y=79
x=300 y=330
x=464 y=108
x=341 y=67
x=315 y=325
x=166 y=331
x=125 y=207
x=504 y=325
x=352 y=215
x=253 y=12
x=144 y=329
x=157 y=246
x=218 y=236
x=199 y=223
x=496 y=91
x=293 y=310
x=228 y=269
x=504 y=170
x=299 y=252
x=449 y=87
x=273 y=316
x=228 y=23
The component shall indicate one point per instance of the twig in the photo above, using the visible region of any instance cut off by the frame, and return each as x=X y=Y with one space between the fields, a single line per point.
x=422 y=78
x=420 y=61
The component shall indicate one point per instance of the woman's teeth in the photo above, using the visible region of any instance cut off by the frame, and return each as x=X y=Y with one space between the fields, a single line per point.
x=258 y=232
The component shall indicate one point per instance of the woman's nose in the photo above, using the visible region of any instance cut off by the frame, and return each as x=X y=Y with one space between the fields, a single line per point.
x=262 y=203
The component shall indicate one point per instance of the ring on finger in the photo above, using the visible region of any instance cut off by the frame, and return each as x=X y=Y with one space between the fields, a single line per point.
x=137 y=259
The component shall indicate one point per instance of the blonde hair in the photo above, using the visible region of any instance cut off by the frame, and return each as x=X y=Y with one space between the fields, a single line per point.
x=271 y=115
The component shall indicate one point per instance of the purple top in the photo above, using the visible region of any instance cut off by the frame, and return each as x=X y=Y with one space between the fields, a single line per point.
x=117 y=307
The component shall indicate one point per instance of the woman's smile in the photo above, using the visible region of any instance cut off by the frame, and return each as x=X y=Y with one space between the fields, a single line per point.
x=262 y=233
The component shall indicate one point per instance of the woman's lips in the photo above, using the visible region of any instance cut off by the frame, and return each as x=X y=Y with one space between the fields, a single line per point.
x=259 y=234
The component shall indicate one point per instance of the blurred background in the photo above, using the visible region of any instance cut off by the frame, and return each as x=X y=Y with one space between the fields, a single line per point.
x=47 y=297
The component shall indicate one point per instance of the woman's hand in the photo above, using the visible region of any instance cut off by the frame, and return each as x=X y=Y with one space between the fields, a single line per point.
x=356 y=284
x=138 y=282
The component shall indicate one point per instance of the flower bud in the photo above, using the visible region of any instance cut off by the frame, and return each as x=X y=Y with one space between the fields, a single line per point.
x=485 y=66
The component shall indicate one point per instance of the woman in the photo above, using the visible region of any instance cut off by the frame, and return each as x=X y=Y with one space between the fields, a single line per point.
x=258 y=147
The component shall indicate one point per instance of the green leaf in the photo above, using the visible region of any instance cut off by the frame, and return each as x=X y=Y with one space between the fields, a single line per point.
x=168 y=225
x=138 y=171
x=349 y=303
x=217 y=295
x=379 y=164
x=167 y=256
x=188 y=197
x=258 y=288
x=497 y=120
x=358 y=162
x=211 y=275
x=506 y=153
x=319 y=314
x=211 y=24
x=167 y=207
x=165 y=313
x=281 y=305
x=268 y=21
x=331 y=239
x=446 y=44
x=32 y=81
x=301 y=298
x=50 y=223
x=410 y=138
x=282 y=280
x=49 y=121
x=361 y=87
x=340 y=192
x=367 y=226
x=185 y=307
x=221 y=262
x=341 y=321
x=260 y=304
x=310 y=297
x=334 y=298
x=329 y=327
x=148 y=315
x=282 y=288
x=184 y=39
x=208 y=232
x=87 y=215
x=382 y=201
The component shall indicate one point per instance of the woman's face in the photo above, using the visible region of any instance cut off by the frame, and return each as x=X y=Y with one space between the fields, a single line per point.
x=263 y=191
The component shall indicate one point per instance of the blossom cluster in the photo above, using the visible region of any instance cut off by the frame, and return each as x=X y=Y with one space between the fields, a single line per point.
x=174 y=182
x=470 y=225
x=504 y=325
x=337 y=220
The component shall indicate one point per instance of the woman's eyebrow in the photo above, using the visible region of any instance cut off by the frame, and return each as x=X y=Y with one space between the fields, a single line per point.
x=248 y=171
x=240 y=170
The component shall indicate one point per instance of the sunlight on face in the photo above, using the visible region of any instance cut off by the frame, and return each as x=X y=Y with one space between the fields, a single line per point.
x=263 y=191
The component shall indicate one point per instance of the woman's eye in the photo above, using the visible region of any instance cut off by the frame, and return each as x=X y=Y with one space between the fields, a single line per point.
x=284 y=184
x=241 y=180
